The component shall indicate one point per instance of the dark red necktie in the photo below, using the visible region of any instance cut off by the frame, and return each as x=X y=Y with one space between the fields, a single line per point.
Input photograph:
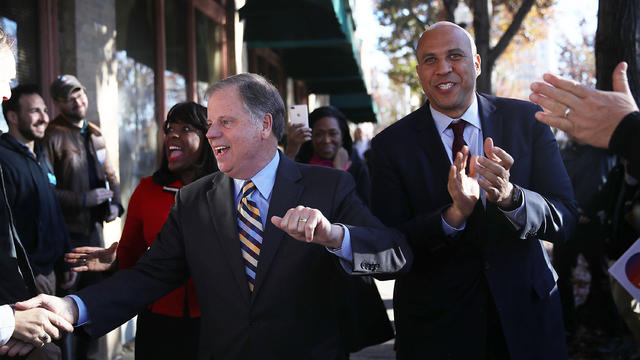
x=458 y=139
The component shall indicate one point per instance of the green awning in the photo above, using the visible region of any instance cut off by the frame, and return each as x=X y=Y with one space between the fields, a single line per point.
x=314 y=39
x=358 y=107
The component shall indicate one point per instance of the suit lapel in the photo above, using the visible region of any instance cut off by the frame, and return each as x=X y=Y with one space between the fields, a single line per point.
x=492 y=126
x=222 y=207
x=284 y=196
x=431 y=143
x=491 y=121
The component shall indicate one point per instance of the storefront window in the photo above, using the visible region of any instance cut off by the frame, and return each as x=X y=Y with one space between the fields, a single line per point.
x=19 y=18
x=176 y=42
x=136 y=95
x=208 y=54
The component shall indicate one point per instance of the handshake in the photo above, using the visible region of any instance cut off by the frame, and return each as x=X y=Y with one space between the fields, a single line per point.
x=37 y=321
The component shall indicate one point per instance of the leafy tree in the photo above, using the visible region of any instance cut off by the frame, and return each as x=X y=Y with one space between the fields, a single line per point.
x=577 y=60
x=407 y=19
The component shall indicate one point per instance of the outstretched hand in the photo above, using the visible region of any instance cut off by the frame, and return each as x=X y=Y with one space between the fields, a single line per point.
x=593 y=114
x=90 y=258
x=307 y=224
x=64 y=307
x=38 y=326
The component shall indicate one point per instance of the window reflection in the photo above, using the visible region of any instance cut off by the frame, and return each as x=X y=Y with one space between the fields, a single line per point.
x=138 y=128
x=18 y=18
x=208 y=54
x=135 y=59
x=176 y=41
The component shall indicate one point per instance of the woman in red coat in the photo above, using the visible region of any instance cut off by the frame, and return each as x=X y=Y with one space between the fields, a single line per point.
x=168 y=328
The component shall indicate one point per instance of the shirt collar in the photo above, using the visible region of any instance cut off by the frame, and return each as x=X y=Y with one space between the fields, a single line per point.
x=263 y=180
x=471 y=116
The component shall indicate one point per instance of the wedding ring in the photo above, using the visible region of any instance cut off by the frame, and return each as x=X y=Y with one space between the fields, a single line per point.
x=83 y=261
x=567 y=112
x=44 y=338
x=302 y=220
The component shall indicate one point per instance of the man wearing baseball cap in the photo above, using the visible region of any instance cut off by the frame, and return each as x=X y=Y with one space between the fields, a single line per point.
x=87 y=185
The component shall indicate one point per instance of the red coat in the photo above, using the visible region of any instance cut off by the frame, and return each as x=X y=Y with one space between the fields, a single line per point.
x=147 y=212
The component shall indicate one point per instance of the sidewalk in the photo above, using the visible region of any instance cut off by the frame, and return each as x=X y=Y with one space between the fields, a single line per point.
x=382 y=351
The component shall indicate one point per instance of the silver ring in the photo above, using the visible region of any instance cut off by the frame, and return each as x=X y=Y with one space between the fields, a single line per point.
x=83 y=261
x=302 y=220
x=567 y=112
x=44 y=338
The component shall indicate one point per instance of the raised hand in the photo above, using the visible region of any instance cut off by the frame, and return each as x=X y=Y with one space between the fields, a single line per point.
x=90 y=258
x=494 y=169
x=587 y=114
x=341 y=160
x=307 y=224
x=297 y=134
x=463 y=188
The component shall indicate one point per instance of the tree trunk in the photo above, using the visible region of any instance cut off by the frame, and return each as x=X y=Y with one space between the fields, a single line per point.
x=482 y=28
x=449 y=8
x=618 y=39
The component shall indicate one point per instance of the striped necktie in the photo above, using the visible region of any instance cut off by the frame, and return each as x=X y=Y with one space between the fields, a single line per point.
x=250 y=232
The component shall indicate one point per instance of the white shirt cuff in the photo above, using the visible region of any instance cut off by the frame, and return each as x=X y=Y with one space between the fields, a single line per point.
x=7 y=323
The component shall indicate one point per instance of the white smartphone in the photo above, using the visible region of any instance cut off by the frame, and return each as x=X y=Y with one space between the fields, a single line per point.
x=299 y=114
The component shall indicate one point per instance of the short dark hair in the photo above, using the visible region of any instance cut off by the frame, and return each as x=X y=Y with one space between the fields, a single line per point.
x=13 y=104
x=188 y=112
x=306 y=150
x=259 y=97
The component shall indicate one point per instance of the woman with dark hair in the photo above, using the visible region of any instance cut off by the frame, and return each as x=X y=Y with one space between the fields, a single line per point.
x=331 y=146
x=168 y=328
x=364 y=320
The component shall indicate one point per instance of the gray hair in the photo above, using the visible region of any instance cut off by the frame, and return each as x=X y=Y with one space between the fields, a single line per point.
x=259 y=97
x=6 y=41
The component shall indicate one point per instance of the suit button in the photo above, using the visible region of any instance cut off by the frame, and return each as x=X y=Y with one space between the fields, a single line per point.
x=487 y=266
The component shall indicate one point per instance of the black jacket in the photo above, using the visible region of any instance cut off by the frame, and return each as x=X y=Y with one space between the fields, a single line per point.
x=36 y=212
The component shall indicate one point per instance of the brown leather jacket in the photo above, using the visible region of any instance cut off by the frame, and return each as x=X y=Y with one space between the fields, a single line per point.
x=64 y=145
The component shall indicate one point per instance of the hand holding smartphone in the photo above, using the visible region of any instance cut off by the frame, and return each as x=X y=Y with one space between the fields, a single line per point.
x=299 y=114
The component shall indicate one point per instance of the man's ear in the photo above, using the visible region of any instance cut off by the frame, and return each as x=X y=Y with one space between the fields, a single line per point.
x=12 y=118
x=478 y=64
x=267 y=125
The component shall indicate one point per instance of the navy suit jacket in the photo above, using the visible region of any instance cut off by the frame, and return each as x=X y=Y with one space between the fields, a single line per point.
x=441 y=305
x=293 y=310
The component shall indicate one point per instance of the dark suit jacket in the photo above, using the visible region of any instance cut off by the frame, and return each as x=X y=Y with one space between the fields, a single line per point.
x=292 y=313
x=441 y=305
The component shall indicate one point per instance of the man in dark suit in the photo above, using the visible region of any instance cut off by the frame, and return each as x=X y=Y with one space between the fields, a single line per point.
x=481 y=285
x=263 y=295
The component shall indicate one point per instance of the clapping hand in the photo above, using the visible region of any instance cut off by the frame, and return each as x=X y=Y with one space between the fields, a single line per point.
x=463 y=188
x=494 y=170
